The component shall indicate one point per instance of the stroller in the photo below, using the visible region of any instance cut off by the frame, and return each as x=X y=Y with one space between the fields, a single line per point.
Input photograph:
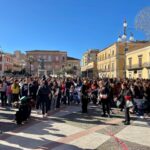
x=24 y=110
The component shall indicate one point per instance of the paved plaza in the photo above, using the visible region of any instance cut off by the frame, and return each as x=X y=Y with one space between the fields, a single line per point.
x=69 y=129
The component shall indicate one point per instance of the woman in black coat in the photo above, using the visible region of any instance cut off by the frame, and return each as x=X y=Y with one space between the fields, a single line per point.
x=43 y=96
x=124 y=97
x=84 y=96
x=104 y=98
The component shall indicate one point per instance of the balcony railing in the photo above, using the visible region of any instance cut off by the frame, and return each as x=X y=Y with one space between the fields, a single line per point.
x=138 y=67
x=106 y=70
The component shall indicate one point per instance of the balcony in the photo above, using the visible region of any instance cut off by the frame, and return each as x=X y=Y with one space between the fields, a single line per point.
x=139 y=67
x=91 y=65
x=106 y=70
x=147 y=65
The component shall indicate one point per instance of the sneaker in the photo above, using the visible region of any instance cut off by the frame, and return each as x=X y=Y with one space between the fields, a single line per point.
x=103 y=115
x=141 y=117
x=46 y=115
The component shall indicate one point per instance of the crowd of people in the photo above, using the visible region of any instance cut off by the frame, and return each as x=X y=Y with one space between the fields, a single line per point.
x=47 y=93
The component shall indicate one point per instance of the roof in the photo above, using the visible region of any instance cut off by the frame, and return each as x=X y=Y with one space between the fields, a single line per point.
x=140 y=48
x=72 y=58
x=92 y=50
x=121 y=43
x=58 y=51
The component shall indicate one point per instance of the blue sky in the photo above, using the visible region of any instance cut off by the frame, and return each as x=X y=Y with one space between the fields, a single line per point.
x=70 y=25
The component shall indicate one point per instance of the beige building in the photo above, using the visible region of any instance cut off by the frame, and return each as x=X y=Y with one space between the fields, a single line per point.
x=111 y=60
x=73 y=65
x=6 y=63
x=138 y=63
x=89 y=63
x=19 y=60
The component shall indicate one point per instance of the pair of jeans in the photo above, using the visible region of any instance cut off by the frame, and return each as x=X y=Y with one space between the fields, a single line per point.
x=3 y=98
x=105 y=106
x=139 y=104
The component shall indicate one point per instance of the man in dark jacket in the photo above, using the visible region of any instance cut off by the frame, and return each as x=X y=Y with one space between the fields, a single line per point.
x=84 y=97
x=43 y=96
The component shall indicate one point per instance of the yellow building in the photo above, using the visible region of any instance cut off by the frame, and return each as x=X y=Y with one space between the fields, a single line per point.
x=111 y=60
x=138 y=63
x=73 y=65
x=89 y=63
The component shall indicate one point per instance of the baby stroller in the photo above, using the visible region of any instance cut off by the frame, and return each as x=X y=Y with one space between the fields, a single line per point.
x=24 y=110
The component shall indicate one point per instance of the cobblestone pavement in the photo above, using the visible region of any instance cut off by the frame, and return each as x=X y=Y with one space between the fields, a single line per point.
x=69 y=129
x=6 y=120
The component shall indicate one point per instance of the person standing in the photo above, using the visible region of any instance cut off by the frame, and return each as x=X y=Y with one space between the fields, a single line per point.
x=43 y=96
x=84 y=96
x=3 y=88
x=104 y=98
x=9 y=94
x=15 y=91
x=124 y=97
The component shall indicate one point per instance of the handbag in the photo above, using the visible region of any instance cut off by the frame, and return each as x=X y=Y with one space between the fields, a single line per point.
x=129 y=104
x=103 y=96
x=118 y=104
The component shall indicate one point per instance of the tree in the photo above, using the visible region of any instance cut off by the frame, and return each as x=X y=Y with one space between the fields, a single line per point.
x=142 y=21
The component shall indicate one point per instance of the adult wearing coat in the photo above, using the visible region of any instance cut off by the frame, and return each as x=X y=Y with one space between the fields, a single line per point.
x=43 y=97
x=124 y=97
x=84 y=96
x=104 y=98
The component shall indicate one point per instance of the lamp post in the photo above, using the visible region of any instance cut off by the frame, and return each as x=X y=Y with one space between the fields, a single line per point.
x=30 y=60
x=124 y=40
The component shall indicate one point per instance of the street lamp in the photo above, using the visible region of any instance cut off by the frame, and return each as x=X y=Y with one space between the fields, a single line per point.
x=124 y=39
x=30 y=60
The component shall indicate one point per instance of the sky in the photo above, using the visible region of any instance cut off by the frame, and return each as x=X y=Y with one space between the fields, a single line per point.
x=68 y=25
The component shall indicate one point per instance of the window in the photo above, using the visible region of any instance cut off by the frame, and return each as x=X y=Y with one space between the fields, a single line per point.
x=44 y=56
x=49 y=58
x=113 y=53
x=130 y=74
x=57 y=58
x=0 y=66
x=140 y=60
x=63 y=58
x=108 y=67
x=139 y=73
x=130 y=63
x=112 y=66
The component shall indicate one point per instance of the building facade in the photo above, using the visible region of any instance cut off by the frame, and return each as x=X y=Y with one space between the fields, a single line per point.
x=138 y=63
x=6 y=63
x=89 y=63
x=73 y=65
x=19 y=60
x=55 y=62
x=107 y=62
x=111 y=60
